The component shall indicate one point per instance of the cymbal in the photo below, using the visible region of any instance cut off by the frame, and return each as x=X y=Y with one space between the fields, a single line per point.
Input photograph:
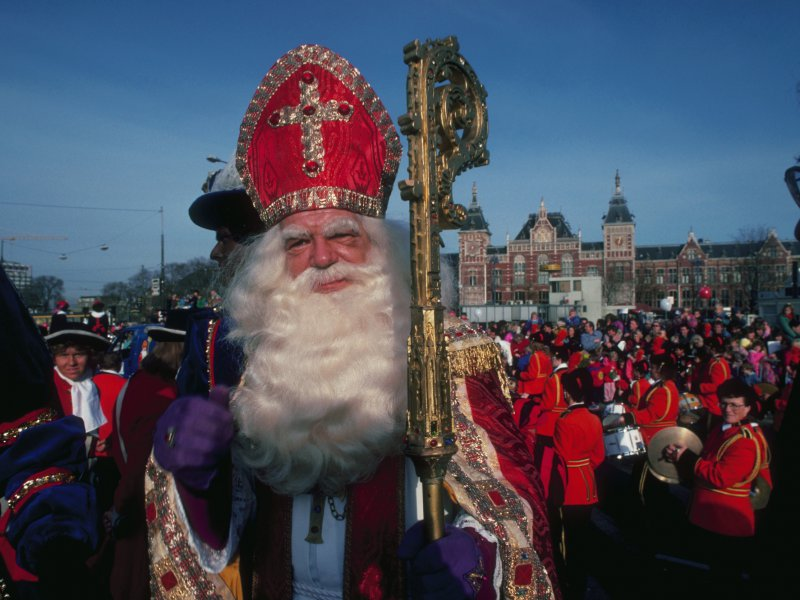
x=661 y=468
x=767 y=389
x=759 y=497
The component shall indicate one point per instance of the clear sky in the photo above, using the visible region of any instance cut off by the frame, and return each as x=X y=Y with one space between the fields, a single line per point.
x=110 y=104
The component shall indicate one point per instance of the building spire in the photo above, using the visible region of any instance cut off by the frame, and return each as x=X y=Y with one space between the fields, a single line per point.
x=542 y=209
x=474 y=203
x=617 y=186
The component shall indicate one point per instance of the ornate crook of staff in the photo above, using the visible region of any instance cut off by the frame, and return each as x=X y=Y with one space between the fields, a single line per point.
x=446 y=125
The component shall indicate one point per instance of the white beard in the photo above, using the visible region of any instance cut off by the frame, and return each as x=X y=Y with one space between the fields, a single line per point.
x=323 y=397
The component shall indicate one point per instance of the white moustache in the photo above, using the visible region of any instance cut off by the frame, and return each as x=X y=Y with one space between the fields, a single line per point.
x=314 y=277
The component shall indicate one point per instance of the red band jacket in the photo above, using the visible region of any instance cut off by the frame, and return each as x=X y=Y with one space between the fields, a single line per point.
x=658 y=409
x=719 y=370
x=723 y=475
x=534 y=377
x=578 y=439
x=553 y=403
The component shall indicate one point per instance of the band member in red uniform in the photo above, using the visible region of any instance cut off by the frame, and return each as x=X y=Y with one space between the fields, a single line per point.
x=717 y=370
x=531 y=382
x=640 y=384
x=659 y=407
x=723 y=475
x=553 y=406
x=578 y=439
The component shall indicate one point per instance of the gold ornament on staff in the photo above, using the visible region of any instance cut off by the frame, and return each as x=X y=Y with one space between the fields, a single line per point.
x=446 y=125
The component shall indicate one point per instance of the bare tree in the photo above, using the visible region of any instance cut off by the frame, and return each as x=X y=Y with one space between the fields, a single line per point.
x=43 y=292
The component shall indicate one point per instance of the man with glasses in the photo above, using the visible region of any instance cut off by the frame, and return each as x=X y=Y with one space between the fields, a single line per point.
x=724 y=473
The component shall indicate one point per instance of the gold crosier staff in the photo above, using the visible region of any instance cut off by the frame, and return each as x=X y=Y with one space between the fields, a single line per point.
x=446 y=125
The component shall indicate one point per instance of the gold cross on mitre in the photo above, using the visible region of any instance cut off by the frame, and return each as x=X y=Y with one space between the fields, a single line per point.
x=310 y=113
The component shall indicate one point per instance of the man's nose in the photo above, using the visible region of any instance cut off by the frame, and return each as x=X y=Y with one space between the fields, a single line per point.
x=323 y=254
x=216 y=252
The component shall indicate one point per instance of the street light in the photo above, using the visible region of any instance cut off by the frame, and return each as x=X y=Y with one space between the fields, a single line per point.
x=493 y=262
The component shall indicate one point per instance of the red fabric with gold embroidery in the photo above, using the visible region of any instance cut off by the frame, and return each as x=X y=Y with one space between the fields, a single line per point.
x=490 y=412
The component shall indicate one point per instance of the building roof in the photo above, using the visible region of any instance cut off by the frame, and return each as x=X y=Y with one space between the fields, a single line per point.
x=556 y=219
x=617 y=207
x=591 y=246
x=712 y=250
x=475 y=219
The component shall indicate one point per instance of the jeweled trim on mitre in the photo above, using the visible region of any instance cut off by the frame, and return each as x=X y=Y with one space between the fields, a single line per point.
x=355 y=82
x=320 y=197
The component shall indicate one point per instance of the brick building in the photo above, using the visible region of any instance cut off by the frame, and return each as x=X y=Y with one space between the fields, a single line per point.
x=633 y=275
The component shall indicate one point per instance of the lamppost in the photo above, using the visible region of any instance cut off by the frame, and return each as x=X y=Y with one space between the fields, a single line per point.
x=493 y=262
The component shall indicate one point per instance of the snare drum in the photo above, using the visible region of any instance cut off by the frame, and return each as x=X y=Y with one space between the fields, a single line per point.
x=689 y=403
x=613 y=408
x=625 y=442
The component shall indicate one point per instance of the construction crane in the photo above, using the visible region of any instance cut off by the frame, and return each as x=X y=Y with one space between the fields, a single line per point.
x=14 y=238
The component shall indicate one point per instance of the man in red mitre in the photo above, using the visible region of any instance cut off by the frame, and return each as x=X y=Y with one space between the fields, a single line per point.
x=303 y=473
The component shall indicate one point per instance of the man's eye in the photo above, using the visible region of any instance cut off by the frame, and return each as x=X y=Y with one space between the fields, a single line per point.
x=295 y=244
x=344 y=235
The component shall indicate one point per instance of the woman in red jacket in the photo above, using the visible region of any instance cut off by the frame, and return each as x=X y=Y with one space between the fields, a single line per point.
x=578 y=439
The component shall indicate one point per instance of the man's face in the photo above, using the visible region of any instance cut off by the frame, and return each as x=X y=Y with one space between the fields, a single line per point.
x=320 y=239
x=71 y=362
x=225 y=245
x=684 y=330
x=733 y=409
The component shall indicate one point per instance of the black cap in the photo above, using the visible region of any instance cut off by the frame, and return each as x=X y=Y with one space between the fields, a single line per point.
x=174 y=329
x=79 y=337
x=227 y=208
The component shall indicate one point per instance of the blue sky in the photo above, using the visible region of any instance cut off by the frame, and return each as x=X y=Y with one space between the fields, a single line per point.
x=117 y=105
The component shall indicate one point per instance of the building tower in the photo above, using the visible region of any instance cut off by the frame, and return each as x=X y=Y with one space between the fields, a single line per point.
x=473 y=243
x=619 y=252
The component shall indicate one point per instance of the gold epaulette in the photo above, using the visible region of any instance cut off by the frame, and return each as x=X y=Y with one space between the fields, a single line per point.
x=747 y=434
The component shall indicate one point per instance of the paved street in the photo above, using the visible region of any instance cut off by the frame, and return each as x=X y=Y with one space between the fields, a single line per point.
x=634 y=560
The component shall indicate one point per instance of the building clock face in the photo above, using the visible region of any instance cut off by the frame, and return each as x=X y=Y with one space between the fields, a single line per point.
x=471 y=248
x=619 y=240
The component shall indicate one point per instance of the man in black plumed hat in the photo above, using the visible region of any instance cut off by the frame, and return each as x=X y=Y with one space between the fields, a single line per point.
x=227 y=210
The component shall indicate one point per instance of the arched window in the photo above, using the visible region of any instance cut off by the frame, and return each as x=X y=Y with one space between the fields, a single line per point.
x=519 y=270
x=566 y=265
x=543 y=275
x=472 y=278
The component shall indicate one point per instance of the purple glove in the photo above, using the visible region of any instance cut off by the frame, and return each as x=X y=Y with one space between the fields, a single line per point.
x=194 y=436
x=444 y=568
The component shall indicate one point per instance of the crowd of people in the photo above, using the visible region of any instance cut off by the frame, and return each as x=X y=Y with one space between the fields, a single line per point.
x=257 y=452
x=581 y=385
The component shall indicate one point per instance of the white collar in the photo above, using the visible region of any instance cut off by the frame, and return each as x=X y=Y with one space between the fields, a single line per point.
x=85 y=402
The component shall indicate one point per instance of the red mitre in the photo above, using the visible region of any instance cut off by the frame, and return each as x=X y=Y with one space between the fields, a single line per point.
x=316 y=136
